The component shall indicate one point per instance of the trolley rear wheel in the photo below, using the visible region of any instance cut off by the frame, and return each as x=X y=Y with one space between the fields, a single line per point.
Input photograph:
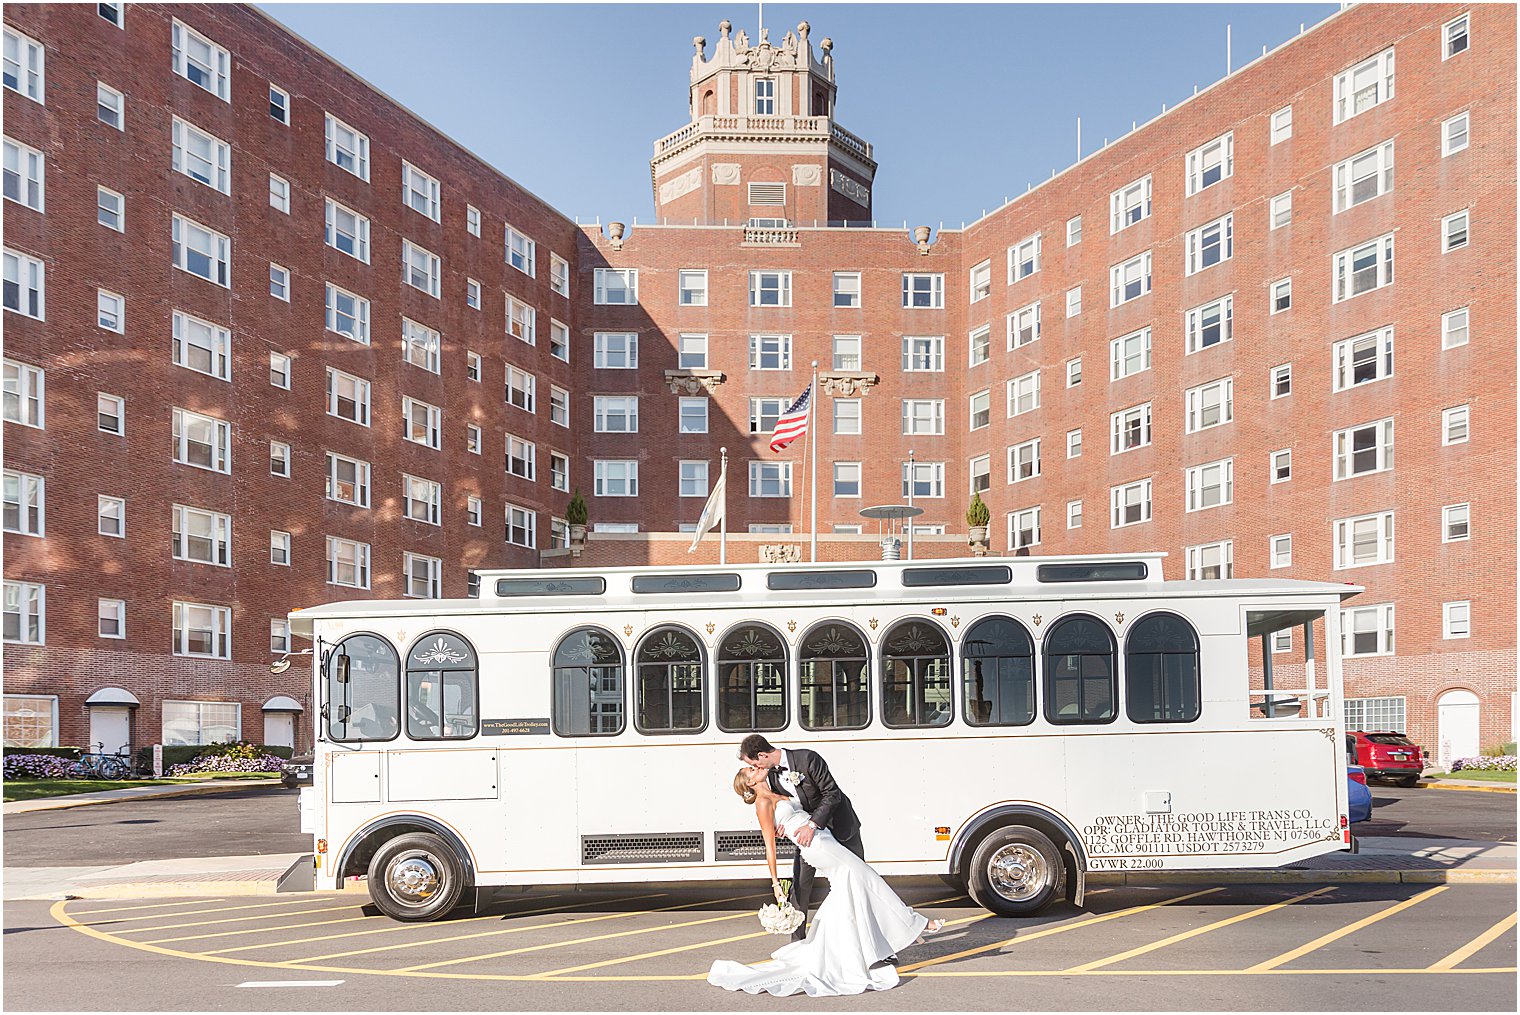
x=416 y=877
x=1016 y=871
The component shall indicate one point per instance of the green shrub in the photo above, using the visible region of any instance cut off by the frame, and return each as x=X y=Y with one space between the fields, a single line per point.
x=1498 y=750
x=575 y=511
x=977 y=513
x=184 y=755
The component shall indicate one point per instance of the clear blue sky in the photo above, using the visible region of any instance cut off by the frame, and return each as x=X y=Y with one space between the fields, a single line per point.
x=964 y=103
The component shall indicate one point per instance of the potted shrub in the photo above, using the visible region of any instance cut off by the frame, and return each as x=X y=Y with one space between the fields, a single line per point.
x=575 y=517
x=977 y=517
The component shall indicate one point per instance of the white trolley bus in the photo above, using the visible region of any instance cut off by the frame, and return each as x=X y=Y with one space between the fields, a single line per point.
x=1024 y=721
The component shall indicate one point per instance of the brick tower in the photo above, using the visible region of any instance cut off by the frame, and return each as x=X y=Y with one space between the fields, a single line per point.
x=762 y=146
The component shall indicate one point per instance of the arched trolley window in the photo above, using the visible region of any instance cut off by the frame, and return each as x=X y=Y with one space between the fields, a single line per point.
x=668 y=695
x=832 y=691
x=588 y=684
x=915 y=676
x=363 y=689
x=1161 y=673
x=997 y=673
x=1080 y=684
x=442 y=688
x=751 y=685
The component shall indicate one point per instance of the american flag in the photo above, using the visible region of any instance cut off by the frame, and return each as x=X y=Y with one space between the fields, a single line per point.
x=792 y=423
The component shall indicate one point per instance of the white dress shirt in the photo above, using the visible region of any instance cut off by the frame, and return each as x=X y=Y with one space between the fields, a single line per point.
x=786 y=786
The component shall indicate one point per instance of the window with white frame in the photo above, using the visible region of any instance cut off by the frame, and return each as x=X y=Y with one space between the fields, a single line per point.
x=1363 y=86
x=23 y=503
x=981 y=345
x=24 y=394
x=1211 y=485
x=1211 y=324
x=1280 y=466
x=522 y=252
x=200 y=61
x=347 y=231
x=927 y=479
x=347 y=480
x=693 y=415
x=770 y=288
x=691 y=352
x=770 y=352
x=110 y=106
x=693 y=479
x=1074 y=231
x=110 y=413
x=201 y=251
x=1074 y=443
x=1363 y=450
x=201 y=629
x=204 y=537
x=691 y=287
x=24 y=63
x=1130 y=428
x=111 y=618
x=559 y=274
x=617 y=286
x=1454 y=37
x=279 y=636
x=423 y=269
x=559 y=533
x=1363 y=359
x=559 y=406
x=1280 y=210
x=347 y=148
x=421 y=499
x=424 y=576
x=923 y=416
x=202 y=441
x=838 y=528
x=347 y=314
x=347 y=563
x=1024 y=461
x=522 y=527
x=616 y=350
x=1282 y=125
x=768 y=528
x=923 y=291
x=847 y=289
x=846 y=479
x=846 y=416
x=472 y=220
x=1211 y=561
x=1454 y=328
x=473 y=511
x=1455 y=134
x=1129 y=354
x=110 y=311
x=1024 y=258
x=559 y=341
x=1456 y=620
x=522 y=458
x=279 y=547
x=347 y=397
x=559 y=471
x=1367 y=631
x=111 y=516
x=1363 y=540
x=111 y=209
x=1455 y=425
x=25 y=613
x=207 y=159
x=764 y=412
x=980 y=470
x=1129 y=204
x=1280 y=551
x=279 y=105
x=1073 y=302
x=1456 y=523
x=25 y=284
x=1281 y=295
x=1211 y=163
x=522 y=389
x=1211 y=244
x=981 y=281
x=422 y=423
x=420 y=345
x=422 y=193
x=1024 y=326
x=1129 y=280
x=1024 y=528
x=279 y=459
x=474 y=366
x=1074 y=372
x=770 y=479
x=1074 y=514
x=617 y=413
x=24 y=175
x=1454 y=231
x=1024 y=393
x=923 y=353
x=279 y=281
x=981 y=409
x=192 y=723
x=202 y=346
x=765 y=96
x=1363 y=177
x=1375 y=713
x=1211 y=404
x=472 y=293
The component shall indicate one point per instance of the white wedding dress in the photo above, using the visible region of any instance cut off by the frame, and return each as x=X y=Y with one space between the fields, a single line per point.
x=861 y=923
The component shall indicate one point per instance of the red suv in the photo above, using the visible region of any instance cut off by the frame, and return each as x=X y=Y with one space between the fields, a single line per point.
x=1390 y=756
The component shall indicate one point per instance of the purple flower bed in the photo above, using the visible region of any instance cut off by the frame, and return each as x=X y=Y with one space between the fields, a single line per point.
x=36 y=766
x=1503 y=763
x=225 y=763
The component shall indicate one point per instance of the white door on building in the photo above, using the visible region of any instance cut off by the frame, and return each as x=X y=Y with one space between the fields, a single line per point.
x=1457 y=726
x=111 y=727
x=279 y=729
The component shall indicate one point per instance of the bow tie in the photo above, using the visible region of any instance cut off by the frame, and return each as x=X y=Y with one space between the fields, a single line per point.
x=780 y=769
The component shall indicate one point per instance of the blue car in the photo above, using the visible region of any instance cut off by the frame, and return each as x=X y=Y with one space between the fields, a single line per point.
x=1358 y=795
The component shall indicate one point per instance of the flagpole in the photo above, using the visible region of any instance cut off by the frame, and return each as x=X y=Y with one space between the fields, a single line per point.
x=723 y=518
x=813 y=438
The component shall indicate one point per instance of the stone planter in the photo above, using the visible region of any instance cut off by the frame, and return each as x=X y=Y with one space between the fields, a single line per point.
x=977 y=537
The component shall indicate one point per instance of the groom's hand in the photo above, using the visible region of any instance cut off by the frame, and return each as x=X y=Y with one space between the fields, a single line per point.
x=804 y=836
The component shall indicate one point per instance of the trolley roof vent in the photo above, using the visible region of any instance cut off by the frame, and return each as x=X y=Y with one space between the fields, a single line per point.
x=991 y=574
x=800 y=581
x=656 y=584
x=1119 y=571
x=550 y=586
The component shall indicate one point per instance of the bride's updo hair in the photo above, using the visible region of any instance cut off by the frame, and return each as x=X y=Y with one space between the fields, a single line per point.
x=742 y=786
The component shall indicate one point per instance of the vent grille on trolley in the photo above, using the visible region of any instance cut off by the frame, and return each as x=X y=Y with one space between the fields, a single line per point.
x=649 y=847
x=749 y=845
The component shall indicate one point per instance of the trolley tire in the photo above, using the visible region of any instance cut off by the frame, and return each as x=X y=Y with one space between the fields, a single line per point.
x=416 y=877
x=1016 y=871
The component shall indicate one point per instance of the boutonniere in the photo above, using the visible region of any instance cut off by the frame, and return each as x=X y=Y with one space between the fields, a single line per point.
x=793 y=779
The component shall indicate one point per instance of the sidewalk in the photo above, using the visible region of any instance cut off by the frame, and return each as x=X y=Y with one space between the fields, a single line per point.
x=111 y=796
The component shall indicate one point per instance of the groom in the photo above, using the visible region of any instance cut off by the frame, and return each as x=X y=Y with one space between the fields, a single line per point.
x=805 y=777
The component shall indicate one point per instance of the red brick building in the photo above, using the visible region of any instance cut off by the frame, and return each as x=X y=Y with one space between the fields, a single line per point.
x=1272 y=328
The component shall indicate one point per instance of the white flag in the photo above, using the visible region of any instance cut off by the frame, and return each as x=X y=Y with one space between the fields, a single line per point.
x=713 y=510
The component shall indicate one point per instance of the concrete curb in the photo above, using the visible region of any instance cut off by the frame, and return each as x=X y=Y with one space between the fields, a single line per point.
x=116 y=796
x=1470 y=788
x=1313 y=877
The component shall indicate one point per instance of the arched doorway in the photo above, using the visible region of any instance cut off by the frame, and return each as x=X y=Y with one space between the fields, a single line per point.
x=110 y=711
x=1456 y=726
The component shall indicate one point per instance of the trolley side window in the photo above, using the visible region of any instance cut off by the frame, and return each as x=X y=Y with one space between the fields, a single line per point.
x=669 y=690
x=751 y=680
x=442 y=688
x=997 y=673
x=588 y=684
x=833 y=690
x=1161 y=675
x=1080 y=684
x=363 y=689
x=915 y=676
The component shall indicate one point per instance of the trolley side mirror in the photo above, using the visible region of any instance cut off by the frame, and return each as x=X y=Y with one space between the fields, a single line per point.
x=340 y=669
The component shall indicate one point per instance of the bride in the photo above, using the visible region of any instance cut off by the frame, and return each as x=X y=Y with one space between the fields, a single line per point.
x=859 y=925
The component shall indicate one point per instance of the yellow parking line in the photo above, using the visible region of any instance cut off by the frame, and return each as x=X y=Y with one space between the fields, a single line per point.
x=156 y=905
x=257 y=930
x=1467 y=951
x=230 y=919
x=198 y=912
x=1192 y=972
x=1336 y=935
x=1036 y=935
x=1185 y=935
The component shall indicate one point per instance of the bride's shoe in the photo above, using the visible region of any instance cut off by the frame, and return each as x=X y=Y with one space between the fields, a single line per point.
x=932 y=928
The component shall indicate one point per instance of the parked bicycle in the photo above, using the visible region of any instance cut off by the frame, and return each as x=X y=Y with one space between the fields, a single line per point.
x=98 y=764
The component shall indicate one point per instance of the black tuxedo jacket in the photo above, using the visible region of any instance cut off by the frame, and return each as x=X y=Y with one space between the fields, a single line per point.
x=819 y=794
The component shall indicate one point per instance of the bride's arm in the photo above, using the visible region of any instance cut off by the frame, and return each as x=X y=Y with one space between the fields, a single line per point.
x=767 y=815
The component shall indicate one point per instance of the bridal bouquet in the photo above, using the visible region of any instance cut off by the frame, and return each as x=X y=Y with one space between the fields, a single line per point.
x=782 y=917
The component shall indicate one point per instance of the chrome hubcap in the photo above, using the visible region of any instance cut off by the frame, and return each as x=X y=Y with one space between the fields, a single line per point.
x=1017 y=872
x=413 y=879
